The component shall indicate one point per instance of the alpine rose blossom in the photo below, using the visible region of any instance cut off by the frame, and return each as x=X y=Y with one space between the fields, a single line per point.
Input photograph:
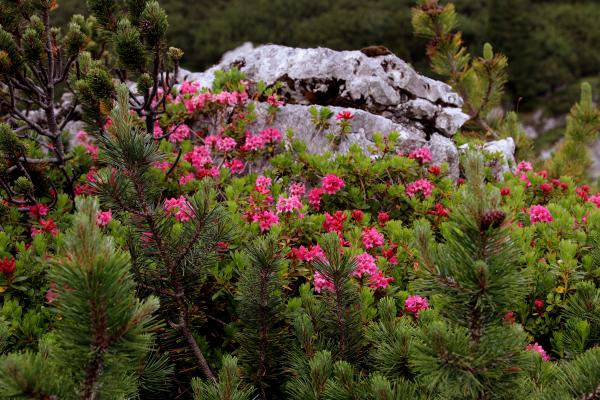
x=103 y=218
x=266 y=220
x=297 y=189
x=421 y=155
x=524 y=166
x=538 y=213
x=422 y=186
x=7 y=266
x=180 y=207
x=271 y=135
x=332 y=183
x=371 y=238
x=415 y=303
x=344 y=115
x=179 y=133
x=538 y=349
x=365 y=265
x=263 y=184
x=314 y=198
x=322 y=283
x=595 y=199
x=226 y=144
x=378 y=280
x=288 y=205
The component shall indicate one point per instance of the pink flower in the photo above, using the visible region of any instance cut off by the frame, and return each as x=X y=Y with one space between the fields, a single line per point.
x=7 y=266
x=179 y=134
x=38 y=210
x=236 y=166
x=383 y=217
x=331 y=184
x=92 y=150
x=103 y=218
x=274 y=101
x=199 y=157
x=415 y=303
x=335 y=222
x=525 y=179
x=372 y=238
x=263 y=184
x=357 y=215
x=288 y=205
x=226 y=144
x=538 y=349
x=271 y=135
x=253 y=142
x=81 y=136
x=365 y=265
x=303 y=254
x=297 y=189
x=314 y=198
x=378 y=280
x=163 y=166
x=321 y=283
x=51 y=294
x=422 y=186
x=595 y=199
x=266 y=220
x=188 y=87
x=524 y=166
x=158 y=132
x=180 y=207
x=422 y=155
x=538 y=213
x=344 y=115
x=186 y=178
x=46 y=226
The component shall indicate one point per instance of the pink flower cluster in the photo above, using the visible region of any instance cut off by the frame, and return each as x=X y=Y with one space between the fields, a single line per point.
x=189 y=87
x=332 y=183
x=422 y=155
x=344 y=115
x=415 y=303
x=524 y=167
x=538 y=213
x=335 y=222
x=38 y=210
x=180 y=207
x=366 y=266
x=423 y=186
x=297 y=189
x=83 y=138
x=199 y=157
x=372 y=238
x=289 y=205
x=263 y=184
x=307 y=254
x=103 y=218
x=198 y=101
x=595 y=199
x=178 y=134
x=266 y=220
x=322 y=283
x=314 y=198
x=260 y=141
x=538 y=349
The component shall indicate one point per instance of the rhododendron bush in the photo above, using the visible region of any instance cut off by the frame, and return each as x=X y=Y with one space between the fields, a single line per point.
x=186 y=253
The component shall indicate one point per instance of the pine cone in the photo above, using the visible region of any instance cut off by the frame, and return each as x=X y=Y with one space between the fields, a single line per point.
x=492 y=219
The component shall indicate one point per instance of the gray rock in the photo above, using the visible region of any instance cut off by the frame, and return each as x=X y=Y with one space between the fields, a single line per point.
x=383 y=85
